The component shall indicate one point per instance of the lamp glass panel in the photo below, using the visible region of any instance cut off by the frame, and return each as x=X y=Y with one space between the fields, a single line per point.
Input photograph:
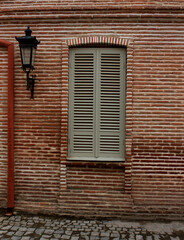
x=33 y=55
x=26 y=53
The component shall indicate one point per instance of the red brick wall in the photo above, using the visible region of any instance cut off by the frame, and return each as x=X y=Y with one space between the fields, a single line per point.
x=3 y=124
x=158 y=120
x=150 y=182
x=95 y=178
x=91 y=4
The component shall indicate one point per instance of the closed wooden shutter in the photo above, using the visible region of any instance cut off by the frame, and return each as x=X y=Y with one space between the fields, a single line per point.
x=96 y=103
x=111 y=103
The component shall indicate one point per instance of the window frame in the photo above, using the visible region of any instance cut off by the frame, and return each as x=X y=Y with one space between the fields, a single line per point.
x=123 y=96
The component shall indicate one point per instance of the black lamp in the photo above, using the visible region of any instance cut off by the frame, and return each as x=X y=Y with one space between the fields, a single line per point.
x=28 y=45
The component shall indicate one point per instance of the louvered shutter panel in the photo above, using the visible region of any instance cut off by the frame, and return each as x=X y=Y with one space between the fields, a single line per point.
x=81 y=103
x=112 y=103
x=96 y=104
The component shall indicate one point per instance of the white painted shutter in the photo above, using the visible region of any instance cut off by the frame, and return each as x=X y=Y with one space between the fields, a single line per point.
x=96 y=104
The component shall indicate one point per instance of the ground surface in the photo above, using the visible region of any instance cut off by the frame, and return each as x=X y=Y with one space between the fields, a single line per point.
x=23 y=227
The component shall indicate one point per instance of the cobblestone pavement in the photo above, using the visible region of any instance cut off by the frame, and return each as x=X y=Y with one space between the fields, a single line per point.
x=41 y=227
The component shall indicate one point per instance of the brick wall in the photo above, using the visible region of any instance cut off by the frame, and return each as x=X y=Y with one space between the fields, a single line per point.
x=95 y=177
x=150 y=182
x=77 y=4
x=3 y=124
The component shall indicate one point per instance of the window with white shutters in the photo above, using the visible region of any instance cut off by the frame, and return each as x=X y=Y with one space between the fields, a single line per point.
x=97 y=104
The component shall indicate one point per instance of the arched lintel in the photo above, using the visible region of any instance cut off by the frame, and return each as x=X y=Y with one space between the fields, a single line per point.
x=111 y=41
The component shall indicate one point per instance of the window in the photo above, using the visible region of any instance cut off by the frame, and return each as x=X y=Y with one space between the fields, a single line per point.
x=97 y=104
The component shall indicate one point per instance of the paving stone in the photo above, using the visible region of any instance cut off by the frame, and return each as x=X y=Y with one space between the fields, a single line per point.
x=14 y=228
x=28 y=233
x=115 y=234
x=29 y=224
x=10 y=233
x=25 y=238
x=84 y=238
x=15 y=238
x=94 y=238
x=48 y=231
x=83 y=234
x=149 y=238
x=104 y=234
x=59 y=231
x=22 y=229
x=57 y=236
x=156 y=237
x=19 y=233
x=6 y=228
x=68 y=233
x=31 y=229
x=94 y=233
x=131 y=235
x=44 y=236
x=139 y=237
x=65 y=237
x=74 y=238
x=39 y=230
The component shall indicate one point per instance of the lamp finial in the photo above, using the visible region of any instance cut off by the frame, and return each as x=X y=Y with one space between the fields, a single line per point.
x=28 y=31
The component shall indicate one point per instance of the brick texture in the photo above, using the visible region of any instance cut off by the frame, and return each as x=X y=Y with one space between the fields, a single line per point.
x=95 y=178
x=151 y=181
x=77 y=4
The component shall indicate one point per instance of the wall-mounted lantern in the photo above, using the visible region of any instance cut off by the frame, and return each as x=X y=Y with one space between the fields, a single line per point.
x=28 y=45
